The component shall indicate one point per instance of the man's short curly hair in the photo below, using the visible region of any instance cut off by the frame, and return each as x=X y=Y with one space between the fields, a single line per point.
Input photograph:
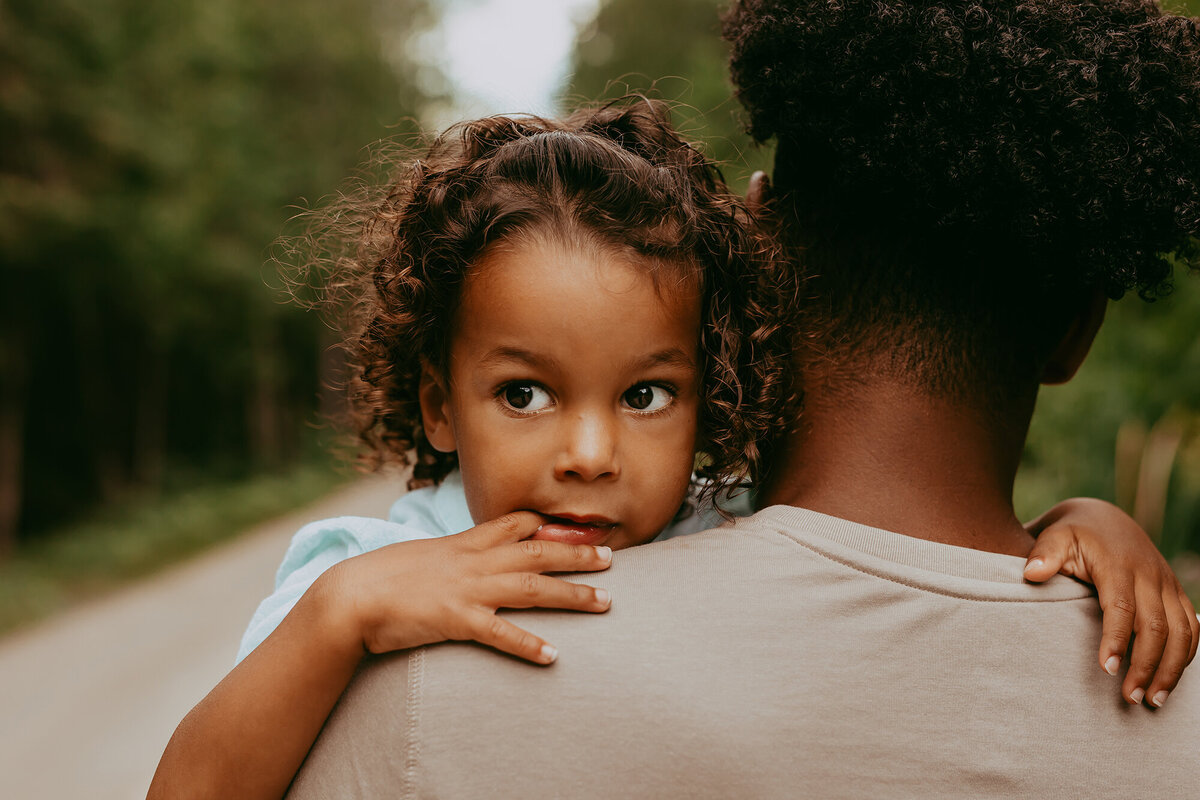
x=618 y=178
x=995 y=152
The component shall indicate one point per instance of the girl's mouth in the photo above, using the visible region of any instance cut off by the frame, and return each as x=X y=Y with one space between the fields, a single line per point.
x=575 y=530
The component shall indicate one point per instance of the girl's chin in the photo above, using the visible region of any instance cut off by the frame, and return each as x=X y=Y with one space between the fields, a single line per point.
x=576 y=533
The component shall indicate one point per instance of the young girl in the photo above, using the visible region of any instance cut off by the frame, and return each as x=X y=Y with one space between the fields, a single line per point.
x=565 y=321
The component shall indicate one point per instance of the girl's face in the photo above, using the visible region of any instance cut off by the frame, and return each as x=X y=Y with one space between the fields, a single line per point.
x=572 y=392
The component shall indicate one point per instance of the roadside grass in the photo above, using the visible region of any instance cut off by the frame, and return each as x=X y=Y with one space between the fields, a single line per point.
x=117 y=545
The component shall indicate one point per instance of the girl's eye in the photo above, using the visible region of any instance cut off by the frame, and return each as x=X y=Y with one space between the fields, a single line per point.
x=647 y=397
x=525 y=397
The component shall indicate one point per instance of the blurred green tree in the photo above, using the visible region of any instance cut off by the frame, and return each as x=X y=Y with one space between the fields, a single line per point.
x=148 y=154
x=624 y=50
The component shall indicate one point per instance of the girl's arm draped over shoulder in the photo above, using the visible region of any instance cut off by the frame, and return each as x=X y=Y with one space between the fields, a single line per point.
x=1142 y=599
x=250 y=735
x=315 y=548
x=425 y=513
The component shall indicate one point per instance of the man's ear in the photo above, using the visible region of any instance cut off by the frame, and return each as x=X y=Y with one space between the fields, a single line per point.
x=436 y=418
x=1073 y=348
x=758 y=193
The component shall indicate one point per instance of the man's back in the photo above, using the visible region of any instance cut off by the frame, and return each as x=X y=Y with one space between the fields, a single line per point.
x=793 y=654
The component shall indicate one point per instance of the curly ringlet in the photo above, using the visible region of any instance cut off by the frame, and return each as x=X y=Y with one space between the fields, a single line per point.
x=618 y=177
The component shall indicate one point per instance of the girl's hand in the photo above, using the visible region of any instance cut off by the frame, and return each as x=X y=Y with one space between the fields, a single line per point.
x=414 y=593
x=1097 y=542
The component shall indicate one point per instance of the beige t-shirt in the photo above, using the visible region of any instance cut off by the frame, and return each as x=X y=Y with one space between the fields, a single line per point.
x=790 y=655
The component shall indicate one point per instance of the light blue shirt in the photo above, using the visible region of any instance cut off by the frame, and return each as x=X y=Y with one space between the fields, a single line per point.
x=421 y=514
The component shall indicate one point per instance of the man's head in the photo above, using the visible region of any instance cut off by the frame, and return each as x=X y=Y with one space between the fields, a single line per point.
x=966 y=179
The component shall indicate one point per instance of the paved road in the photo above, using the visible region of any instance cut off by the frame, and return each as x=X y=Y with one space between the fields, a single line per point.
x=89 y=699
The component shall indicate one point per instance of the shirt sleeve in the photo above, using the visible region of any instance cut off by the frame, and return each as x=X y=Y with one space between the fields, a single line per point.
x=315 y=548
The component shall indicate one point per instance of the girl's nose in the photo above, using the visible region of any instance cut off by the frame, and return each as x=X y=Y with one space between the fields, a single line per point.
x=590 y=450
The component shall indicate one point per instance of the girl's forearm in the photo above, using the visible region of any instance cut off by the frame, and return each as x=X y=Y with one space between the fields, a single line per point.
x=250 y=735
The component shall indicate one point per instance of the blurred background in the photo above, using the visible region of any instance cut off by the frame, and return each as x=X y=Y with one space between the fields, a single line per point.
x=158 y=393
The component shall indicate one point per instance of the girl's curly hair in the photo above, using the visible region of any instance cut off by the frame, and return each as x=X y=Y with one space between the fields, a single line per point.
x=616 y=177
x=991 y=150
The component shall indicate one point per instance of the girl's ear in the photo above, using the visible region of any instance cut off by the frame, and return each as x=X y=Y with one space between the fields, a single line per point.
x=436 y=418
x=759 y=192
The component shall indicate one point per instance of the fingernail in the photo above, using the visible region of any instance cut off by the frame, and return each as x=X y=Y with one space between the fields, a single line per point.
x=603 y=597
x=1158 y=699
x=1112 y=665
x=1037 y=562
x=1137 y=695
x=605 y=553
x=549 y=654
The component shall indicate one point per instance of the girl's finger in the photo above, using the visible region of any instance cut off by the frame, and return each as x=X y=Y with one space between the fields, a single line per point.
x=529 y=590
x=534 y=555
x=1193 y=620
x=1047 y=556
x=1117 y=603
x=1177 y=652
x=512 y=527
x=1150 y=634
x=487 y=628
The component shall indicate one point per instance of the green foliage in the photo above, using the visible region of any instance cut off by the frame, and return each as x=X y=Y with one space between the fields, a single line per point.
x=626 y=49
x=149 y=153
x=1189 y=8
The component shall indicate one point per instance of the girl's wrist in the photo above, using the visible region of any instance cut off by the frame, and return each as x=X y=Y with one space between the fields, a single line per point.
x=334 y=615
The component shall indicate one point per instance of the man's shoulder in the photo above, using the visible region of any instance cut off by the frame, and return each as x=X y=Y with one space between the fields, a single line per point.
x=761 y=656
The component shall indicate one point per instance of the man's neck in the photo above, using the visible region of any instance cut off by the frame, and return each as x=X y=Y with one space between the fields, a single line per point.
x=888 y=456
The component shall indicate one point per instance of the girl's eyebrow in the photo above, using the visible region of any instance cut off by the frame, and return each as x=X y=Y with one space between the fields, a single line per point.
x=671 y=357
x=508 y=353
